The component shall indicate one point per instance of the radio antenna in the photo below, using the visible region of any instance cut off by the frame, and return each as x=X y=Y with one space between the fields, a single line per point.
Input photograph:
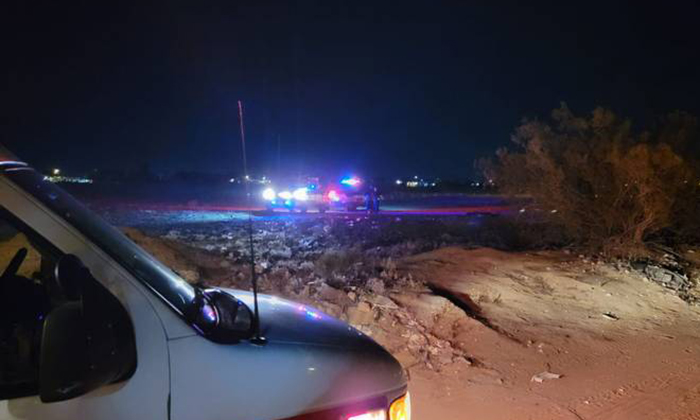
x=257 y=338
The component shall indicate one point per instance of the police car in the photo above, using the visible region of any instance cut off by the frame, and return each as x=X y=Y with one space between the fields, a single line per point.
x=349 y=193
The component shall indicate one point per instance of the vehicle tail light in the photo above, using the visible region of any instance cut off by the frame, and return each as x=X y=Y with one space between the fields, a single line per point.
x=401 y=408
x=333 y=195
x=371 y=415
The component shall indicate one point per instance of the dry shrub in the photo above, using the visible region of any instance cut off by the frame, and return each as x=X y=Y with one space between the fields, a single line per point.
x=606 y=186
x=518 y=232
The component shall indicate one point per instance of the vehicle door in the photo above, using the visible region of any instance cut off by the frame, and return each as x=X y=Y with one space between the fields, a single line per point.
x=32 y=242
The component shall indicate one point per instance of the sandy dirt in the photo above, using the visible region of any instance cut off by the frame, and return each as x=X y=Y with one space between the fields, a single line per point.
x=477 y=325
x=626 y=348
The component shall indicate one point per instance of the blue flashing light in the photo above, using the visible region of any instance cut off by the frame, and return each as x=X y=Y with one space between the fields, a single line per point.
x=351 y=181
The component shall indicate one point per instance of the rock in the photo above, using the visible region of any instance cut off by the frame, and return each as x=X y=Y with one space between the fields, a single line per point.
x=440 y=357
x=383 y=302
x=544 y=376
x=466 y=360
x=360 y=314
x=172 y=234
x=666 y=277
x=417 y=341
x=427 y=308
x=281 y=253
x=307 y=265
x=331 y=309
x=333 y=295
x=376 y=285
x=611 y=315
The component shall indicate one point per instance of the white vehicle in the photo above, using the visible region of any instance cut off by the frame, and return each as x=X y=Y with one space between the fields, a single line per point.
x=93 y=327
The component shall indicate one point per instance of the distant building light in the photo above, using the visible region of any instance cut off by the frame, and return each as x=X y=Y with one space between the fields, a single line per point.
x=68 y=179
x=412 y=184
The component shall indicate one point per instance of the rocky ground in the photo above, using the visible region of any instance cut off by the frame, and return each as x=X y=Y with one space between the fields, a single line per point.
x=482 y=333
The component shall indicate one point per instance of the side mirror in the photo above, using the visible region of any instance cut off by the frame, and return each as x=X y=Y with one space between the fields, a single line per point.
x=88 y=341
x=69 y=272
x=62 y=364
x=220 y=316
x=236 y=321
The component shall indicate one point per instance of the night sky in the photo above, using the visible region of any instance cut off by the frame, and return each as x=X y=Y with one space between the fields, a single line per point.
x=381 y=87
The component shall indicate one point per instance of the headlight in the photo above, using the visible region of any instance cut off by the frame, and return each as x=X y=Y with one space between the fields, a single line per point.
x=401 y=408
x=301 y=194
x=285 y=195
x=268 y=194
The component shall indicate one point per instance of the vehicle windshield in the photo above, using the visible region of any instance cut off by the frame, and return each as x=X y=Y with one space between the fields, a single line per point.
x=163 y=281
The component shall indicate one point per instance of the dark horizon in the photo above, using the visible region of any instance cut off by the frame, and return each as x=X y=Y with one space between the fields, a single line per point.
x=423 y=88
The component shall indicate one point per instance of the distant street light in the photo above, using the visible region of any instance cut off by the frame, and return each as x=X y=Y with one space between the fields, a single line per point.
x=56 y=171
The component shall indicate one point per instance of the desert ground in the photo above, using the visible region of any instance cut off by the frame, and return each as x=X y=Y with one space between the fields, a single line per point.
x=483 y=333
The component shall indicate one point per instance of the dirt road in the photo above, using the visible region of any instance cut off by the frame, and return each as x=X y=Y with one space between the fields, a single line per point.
x=626 y=348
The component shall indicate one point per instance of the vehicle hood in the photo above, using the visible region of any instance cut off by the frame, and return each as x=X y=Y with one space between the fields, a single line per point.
x=311 y=362
x=284 y=321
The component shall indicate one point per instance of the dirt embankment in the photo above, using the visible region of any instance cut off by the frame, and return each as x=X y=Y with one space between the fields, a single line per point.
x=492 y=335
x=625 y=348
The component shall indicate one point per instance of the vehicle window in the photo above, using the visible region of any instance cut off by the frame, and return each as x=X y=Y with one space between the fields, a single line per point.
x=173 y=289
x=27 y=293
